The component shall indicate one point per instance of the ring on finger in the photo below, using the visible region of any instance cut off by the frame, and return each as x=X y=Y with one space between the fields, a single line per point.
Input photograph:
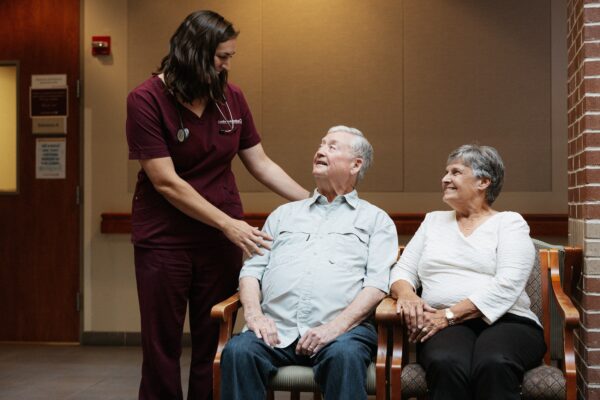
x=425 y=329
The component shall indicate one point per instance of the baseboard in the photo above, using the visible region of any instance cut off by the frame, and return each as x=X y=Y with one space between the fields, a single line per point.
x=92 y=338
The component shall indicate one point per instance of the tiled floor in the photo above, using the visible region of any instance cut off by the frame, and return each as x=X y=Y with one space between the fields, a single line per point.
x=31 y=372
x=56 y=372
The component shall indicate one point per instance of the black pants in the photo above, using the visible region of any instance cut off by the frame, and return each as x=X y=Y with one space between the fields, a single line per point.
x=474 y=360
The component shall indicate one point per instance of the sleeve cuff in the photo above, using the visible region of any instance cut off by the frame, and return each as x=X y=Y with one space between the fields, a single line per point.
x=146 y=154
x=398 y=274
x=250 y=272
x=383 y=286
x=491 y=312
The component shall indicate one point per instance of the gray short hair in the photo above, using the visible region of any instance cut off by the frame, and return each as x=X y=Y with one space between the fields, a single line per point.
x=360 y=147
x=485 y=163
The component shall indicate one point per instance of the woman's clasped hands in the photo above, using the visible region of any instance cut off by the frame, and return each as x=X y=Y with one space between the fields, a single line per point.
x=421 y=320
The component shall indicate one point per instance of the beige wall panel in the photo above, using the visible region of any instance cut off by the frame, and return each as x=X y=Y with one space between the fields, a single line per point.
x=108 y=262
x=325 y=64
x=478 y=71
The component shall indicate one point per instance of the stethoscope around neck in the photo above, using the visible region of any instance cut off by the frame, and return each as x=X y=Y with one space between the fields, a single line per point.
x=183 y=133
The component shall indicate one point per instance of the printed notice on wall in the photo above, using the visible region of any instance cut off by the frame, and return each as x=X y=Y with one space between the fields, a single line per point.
x=50 y=158
x=50 y=125
x=49 y=104
x=48 y=81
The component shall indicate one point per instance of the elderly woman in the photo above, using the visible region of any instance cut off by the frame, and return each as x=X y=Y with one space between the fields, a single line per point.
x=475 y=332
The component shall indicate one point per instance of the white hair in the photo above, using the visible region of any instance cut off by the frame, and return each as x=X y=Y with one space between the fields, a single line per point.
x=485 y=163
x=360 y=147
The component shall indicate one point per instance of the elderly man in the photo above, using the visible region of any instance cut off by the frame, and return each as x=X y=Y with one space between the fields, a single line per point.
x=327 y=269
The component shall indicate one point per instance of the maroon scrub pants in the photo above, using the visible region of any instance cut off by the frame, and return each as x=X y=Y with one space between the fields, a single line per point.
x=167 y=279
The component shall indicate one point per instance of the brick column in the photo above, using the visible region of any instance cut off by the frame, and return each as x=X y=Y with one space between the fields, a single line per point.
x=583 y=102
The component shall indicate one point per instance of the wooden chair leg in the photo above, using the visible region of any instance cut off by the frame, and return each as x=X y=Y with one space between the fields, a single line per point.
x=270 y=395
x=295 y=395
x=398 y=356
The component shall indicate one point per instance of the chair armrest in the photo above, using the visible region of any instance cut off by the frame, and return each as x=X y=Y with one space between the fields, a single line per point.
x=386 y=311
x=570 y=317
x=225 y=310
x=565 y=305
x=386 y=316
x=225 y=313
x=382 y=360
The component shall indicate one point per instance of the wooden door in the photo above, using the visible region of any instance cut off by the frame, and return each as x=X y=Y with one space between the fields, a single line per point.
x=40 y=224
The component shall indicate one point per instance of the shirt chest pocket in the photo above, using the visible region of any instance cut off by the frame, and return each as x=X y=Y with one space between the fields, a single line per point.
x=349 y=246
x=290 y=242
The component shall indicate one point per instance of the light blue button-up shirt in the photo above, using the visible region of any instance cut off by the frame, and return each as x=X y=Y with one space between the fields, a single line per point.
x=321 y=257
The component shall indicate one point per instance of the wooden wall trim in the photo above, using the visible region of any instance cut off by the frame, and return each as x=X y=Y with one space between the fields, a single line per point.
x=406 y=224
x=115 y=223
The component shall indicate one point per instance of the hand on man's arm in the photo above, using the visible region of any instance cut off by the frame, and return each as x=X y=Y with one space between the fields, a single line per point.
x=263 y=326
x=316 y=338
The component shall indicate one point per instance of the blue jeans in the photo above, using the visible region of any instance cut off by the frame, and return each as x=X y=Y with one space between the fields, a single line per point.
x=340 y=367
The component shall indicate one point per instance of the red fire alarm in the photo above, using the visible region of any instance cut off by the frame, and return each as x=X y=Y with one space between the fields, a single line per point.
x=100 y=45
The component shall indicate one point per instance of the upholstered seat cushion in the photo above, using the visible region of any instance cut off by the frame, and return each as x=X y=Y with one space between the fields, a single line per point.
x=541 y=383
x=299 y=378
x=413 y=381
x=544 y=382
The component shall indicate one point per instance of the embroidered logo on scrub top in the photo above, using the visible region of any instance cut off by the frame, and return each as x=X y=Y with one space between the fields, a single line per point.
x=228 y=126
x=230 y=122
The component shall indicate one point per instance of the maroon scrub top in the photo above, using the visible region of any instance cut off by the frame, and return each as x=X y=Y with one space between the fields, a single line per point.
x=203 y=160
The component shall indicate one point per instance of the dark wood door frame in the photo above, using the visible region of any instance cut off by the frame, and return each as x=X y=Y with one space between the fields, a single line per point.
x=40 y=226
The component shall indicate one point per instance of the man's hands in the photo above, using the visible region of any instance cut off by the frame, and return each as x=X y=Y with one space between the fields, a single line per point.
x=310 y=343
x=315 y=339
x=264 y=328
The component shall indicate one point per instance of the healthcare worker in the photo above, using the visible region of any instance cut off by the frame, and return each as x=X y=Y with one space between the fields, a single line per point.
x=185 y=125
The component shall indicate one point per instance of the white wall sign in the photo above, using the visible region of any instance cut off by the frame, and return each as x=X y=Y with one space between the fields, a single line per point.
x=48 y=81
x=50 y=158
x=49 y=125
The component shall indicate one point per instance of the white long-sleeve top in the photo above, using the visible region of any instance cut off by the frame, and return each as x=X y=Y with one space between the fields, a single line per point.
x=490 y=267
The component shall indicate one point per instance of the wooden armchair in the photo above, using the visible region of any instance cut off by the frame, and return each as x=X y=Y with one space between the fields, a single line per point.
x=296 y=379
x=556 y=377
